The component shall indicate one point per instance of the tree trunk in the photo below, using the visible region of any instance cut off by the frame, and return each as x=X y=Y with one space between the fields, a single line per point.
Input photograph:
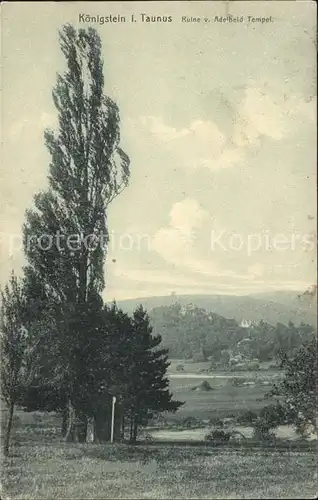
x=69 y=433
x=118 y=421
x=96 y=434
x=82 y=425
x=65 y=418
x=131 y=427
x=135 y=432
x=8 y=430
x=83 y=277
x=122 y=431
x=102 y=426
x=76 y=431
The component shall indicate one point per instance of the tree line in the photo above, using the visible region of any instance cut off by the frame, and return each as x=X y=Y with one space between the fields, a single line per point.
x=62 y=348
x=191 y=332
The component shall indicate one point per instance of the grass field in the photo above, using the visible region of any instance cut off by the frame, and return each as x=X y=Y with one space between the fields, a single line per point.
x=43 y=467
x=224 y=399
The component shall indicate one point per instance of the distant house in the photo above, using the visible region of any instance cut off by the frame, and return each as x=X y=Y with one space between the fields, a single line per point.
x=246 y=323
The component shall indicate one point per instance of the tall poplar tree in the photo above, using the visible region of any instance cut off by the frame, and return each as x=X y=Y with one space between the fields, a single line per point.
x=66 y=233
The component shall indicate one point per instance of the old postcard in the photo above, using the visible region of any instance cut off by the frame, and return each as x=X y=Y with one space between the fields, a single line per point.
x=158 y=250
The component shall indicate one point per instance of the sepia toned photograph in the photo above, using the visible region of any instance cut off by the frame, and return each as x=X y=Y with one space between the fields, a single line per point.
x=158 y=250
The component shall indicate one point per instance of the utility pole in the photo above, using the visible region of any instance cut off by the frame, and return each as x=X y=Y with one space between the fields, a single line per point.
x=113 y=420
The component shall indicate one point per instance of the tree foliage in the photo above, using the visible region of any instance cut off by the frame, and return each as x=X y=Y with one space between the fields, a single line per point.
x=66 y=234
x=87 y=170
x=298 y=391
x=13 y=347
x=192 y=332
x=148 y=387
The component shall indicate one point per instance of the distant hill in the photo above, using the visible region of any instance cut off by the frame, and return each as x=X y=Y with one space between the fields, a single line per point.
x=274 y=307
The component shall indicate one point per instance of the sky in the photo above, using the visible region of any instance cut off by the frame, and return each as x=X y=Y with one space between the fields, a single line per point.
x=219 y=122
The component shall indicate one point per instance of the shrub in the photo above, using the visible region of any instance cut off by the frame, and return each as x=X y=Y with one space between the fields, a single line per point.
x=205 y=386
x=218 y=436
x=306 y=429
x=248 y=417
x=263 y=430
x=216 y=421
x=274 y=365
x=238 y=381
x=269 y=418
x=16 y=420
x=190 y=422
x=298 y=390
x=148 y=438
x=252 y=367
x=198 y=357
x=273 y=414
x=179 y=368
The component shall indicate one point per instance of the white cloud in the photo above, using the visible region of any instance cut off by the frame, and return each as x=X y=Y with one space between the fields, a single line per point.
x=176 y=242
x=160 y=130
x=187 y=214
x=172 y=244
x=200 y=144
x=256 y=270
x=207 y=135
x=263 y=111
x=266 y=111
x=258 y=115
x=178 y=245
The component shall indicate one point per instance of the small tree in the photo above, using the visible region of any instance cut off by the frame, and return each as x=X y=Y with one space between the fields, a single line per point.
x=42 y=386
x=269 y=418
x=298 y=390
x=13 y=347
x=148 y=389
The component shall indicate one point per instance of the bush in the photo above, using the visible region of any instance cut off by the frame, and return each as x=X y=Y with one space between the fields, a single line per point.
x=16 y=420
x=263 y=430
x=275 y=365
x=148 y=438
x=298 y=389
x=270 y=417
x=306 y=429
x=273 y=414
x=252 y=367
x=213 y=366
x=218 y=436
x=205 y=386
x=190 y=422
x=216 y=421
x=248 y=417
x=179 y=368
x=198 y=357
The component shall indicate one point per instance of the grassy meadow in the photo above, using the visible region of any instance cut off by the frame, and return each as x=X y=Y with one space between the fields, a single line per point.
x=225 y=399
x=42 y=466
